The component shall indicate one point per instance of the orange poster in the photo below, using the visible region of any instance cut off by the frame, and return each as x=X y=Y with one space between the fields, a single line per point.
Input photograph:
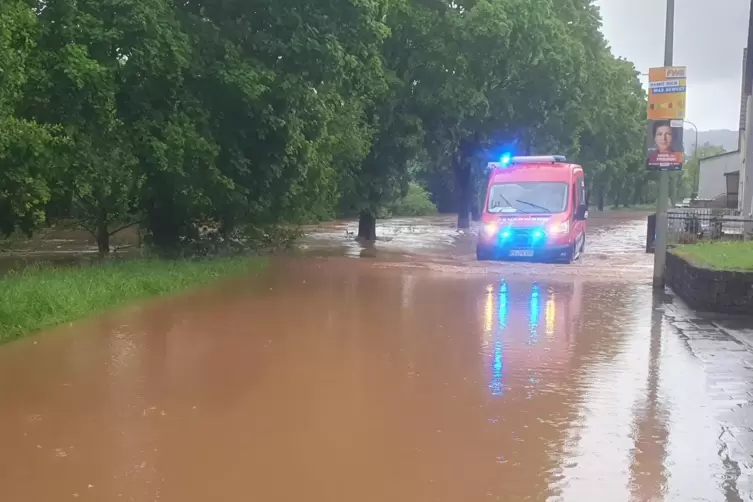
x=666 y=93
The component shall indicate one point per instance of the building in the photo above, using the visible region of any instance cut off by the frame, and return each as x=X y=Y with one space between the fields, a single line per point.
x=719 y=180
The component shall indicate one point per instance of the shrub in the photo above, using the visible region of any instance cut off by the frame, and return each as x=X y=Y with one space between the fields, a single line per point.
x=416 y=202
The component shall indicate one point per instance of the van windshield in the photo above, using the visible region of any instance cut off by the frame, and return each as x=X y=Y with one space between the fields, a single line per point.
x=528 y=197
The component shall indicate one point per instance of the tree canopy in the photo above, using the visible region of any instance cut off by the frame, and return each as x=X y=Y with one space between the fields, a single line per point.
x=173 y=115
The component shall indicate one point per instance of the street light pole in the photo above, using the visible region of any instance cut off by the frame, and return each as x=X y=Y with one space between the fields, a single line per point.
x=695 y=148
x=660 y=246
x=697 y=157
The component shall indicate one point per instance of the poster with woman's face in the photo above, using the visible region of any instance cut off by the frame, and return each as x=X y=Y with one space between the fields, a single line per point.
x=665 y=148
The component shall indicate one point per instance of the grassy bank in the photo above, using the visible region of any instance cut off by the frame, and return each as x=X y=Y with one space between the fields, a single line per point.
x=719 y=255
x=43 y=297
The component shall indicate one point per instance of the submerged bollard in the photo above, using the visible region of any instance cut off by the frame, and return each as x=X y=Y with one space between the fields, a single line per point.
x=651 y=233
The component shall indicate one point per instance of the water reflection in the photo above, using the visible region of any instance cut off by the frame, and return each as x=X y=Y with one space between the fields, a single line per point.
x=503 y=301
x=648 y=472
x=495 y=386
x=534 y=313
x=489 y=312
x=438 y=394
x=550 y=314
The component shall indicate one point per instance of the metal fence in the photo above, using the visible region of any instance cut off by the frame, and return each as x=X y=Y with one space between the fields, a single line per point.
x=692 y=225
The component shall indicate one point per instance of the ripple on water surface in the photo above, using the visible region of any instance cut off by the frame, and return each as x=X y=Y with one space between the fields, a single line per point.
x=615 y=248
x=365 y=383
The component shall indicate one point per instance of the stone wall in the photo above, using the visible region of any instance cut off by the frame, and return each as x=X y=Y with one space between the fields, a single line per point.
x=710 y=290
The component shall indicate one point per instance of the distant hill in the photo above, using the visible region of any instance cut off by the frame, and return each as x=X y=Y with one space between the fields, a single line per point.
x=718 y=137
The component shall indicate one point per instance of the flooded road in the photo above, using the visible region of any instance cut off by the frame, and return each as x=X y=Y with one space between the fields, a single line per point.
x=615 y=248
x=338 y=379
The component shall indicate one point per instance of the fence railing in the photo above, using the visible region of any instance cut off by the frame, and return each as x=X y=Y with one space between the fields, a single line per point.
x=692 y=225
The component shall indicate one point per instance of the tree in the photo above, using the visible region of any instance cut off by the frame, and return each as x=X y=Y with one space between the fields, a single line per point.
x=496 y=73
x=396 y=131
x=26 y=157
x=613 y=133
x=90 y=52
x=232 y=114
x=291 y=82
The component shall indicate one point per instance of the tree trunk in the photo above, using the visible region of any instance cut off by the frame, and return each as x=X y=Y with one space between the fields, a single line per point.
x=367 y=226
x=164 y=226
x=601 y=200
x=103 y=239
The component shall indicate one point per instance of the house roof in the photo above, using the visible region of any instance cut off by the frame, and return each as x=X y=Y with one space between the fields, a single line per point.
x=720 y=155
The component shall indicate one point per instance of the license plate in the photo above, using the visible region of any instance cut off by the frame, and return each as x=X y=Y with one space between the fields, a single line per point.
x=522 y=252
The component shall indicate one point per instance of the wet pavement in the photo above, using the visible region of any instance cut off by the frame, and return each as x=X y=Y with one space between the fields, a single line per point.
x=415 y=374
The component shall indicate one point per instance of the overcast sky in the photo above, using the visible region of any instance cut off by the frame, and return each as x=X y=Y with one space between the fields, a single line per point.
x=709 y=40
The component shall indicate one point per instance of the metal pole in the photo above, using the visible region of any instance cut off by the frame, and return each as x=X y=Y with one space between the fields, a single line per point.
x=748 y=84
x=746 y=173
x=746 y=205
x=694 y=188
x=660 y=248
x=696 y=133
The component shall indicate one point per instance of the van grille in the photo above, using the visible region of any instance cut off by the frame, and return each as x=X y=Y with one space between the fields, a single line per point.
x=520 y=238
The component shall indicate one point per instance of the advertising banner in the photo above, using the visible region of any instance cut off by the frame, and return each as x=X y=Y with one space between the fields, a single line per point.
x=666 y=112
x=665 y=148
x=666 y=93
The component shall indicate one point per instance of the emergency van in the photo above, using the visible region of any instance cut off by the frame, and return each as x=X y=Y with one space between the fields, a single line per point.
x=535 y=208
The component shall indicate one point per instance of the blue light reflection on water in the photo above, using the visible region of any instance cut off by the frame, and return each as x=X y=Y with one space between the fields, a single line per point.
x=495 y=385
x=503 y=301
x=535 y=311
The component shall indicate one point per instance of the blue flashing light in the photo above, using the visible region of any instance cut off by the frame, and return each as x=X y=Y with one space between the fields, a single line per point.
x=506 y=159
x=505 y=234
x=537 y=235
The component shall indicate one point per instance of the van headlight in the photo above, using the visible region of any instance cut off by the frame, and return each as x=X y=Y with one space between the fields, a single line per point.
x=490 y=229
x=559 y=228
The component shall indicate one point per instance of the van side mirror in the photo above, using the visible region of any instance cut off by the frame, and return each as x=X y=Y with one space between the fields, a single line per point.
x=582 y=213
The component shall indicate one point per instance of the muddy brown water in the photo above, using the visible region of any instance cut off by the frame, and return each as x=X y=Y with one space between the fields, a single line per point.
x=335 y=379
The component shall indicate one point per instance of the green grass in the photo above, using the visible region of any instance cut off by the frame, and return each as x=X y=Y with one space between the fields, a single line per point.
x=42 y=297
x=736 y=256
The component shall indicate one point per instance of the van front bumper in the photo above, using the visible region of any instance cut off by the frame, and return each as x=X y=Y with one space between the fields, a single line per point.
x=545 y=252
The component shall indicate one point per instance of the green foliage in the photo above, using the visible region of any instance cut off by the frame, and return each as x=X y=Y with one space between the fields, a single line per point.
x=26 y=161
x=42 y=297
x=415 y=202
x=263 y=113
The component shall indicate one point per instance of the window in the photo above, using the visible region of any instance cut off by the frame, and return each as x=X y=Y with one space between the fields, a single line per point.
x=581 y=191
x=528 y=197
x=576 y=195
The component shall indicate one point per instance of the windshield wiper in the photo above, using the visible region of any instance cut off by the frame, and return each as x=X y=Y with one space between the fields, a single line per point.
x=546 y=210
x=509 y=204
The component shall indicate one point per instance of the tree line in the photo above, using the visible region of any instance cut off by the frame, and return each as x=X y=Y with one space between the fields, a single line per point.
x=173 y=114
